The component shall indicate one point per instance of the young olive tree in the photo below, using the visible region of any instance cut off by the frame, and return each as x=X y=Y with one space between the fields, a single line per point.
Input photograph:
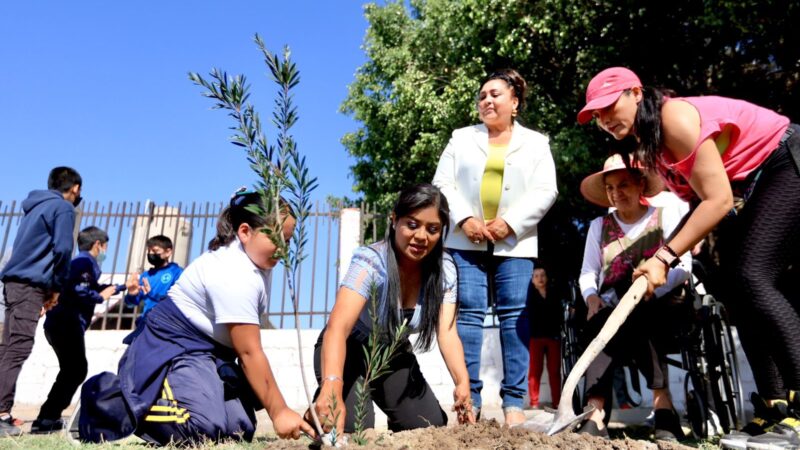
x=283 y=179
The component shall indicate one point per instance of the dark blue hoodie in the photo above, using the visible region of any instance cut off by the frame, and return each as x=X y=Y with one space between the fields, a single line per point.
x=43 y=246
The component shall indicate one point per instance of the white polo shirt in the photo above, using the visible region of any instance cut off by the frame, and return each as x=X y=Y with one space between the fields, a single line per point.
x=222 y=287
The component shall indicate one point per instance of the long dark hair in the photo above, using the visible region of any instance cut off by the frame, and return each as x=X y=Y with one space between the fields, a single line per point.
x=411 y=199
x=648 y=125
x=239 y=211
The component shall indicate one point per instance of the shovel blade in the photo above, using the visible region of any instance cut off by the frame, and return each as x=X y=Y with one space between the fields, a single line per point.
x=567 y=422
x=552 y=423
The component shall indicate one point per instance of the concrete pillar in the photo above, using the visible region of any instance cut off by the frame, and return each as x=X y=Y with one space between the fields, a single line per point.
x=349 y=237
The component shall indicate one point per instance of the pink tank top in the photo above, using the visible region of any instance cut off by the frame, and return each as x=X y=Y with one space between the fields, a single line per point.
x=754 y=134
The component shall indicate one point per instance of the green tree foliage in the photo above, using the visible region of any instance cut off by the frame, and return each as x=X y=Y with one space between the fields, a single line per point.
x=426 y=60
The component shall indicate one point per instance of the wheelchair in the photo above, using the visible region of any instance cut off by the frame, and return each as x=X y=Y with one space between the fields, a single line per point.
x=703 y=340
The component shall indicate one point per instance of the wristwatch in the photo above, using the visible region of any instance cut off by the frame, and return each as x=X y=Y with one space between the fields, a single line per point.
x=666 y=255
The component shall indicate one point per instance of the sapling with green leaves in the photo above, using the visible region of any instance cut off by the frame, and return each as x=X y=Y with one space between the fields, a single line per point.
x=379 y=351
x=284 y=182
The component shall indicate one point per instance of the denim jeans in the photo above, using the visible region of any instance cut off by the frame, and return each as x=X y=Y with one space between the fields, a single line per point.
x=511 y=277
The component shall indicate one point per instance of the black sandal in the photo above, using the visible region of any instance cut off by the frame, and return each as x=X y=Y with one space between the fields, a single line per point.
x=590 y=428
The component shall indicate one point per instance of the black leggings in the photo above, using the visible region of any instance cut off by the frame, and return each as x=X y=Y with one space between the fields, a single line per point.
x=403 y=394
x=757 y=249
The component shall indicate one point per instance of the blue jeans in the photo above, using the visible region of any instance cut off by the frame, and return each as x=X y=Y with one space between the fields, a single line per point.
x=511 y=277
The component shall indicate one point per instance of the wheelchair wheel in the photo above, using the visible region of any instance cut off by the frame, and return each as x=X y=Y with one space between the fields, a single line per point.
x=729 y=383
x=724 y=392
x=696 y=413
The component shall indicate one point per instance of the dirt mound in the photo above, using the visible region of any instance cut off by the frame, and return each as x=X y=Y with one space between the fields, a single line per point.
x=490 y=435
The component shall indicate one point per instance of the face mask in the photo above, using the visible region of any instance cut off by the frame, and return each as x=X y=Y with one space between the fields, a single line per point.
x=77 y=201
x=155 y=259
x=100 y=258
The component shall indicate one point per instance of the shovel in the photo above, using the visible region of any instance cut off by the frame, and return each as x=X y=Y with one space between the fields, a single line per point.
x=565 y=417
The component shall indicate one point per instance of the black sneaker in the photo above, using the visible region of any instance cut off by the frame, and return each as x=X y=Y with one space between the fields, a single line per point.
x=765 y=418
x=667 y=425
x=44 y=426
x=7 y=427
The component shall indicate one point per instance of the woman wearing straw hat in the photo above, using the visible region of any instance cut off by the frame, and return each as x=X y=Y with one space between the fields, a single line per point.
x=617 y=244
x=710 y=149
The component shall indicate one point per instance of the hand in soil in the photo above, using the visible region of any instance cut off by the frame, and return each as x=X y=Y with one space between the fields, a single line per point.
x=289 y=425
x=330 y=411
x=464 y=411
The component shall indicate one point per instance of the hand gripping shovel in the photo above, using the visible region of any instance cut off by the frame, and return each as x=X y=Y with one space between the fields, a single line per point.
x=565 y=417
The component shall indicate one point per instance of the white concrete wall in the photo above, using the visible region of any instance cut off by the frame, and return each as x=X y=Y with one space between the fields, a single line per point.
x=104 y=349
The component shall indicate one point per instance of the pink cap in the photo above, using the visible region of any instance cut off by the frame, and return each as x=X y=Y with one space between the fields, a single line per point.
x=605 y=88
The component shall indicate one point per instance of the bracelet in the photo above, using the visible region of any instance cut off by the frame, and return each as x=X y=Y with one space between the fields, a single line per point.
x=658 y=257
x=667 y=256
x=670 y=250
x=333 y=378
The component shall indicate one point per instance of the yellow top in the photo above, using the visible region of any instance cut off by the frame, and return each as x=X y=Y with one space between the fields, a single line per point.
x=492 y=183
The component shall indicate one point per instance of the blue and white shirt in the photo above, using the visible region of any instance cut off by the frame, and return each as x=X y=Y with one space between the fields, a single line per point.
x=367 y=274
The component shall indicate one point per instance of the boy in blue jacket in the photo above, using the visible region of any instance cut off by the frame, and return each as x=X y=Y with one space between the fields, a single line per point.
x=152 y=286
x=34 y=276
x=67 y=322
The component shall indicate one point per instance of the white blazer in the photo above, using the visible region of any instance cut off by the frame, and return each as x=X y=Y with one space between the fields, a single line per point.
x=529 y=186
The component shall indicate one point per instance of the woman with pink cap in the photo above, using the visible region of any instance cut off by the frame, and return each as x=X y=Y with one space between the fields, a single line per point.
x=616 y=244
x=709 y=150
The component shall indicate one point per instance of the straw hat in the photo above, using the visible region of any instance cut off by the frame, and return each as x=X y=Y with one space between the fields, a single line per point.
x=593 y=188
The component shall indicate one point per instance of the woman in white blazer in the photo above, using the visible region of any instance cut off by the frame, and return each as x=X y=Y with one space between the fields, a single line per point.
x=500 y=180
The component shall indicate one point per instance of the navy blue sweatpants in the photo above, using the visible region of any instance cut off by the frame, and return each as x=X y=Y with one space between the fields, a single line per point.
x=193 y=406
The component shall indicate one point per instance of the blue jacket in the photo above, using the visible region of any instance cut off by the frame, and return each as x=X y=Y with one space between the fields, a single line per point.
x=80 y=294
x=160 y=281
x=43 y=246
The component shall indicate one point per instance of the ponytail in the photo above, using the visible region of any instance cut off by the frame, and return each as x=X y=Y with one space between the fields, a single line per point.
x=241 y=210
x=225 y=231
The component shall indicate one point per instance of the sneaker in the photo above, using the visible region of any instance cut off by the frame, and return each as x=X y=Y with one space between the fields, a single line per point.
x=7 y=427
x=590 y=427
x=667 y=426
x=43 y=426
x=765 y=418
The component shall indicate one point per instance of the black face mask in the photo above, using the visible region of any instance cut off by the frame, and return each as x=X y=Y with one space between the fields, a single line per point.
x=155 y=259
x=77 y=201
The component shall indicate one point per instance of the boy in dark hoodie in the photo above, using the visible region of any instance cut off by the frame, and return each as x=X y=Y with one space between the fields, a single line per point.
x=67 y=322
x=34 y=276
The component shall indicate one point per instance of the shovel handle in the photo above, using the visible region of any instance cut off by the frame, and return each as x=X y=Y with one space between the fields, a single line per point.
x=615 y=320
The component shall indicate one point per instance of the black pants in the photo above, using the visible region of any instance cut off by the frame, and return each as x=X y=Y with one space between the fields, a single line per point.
x=403 y=394
x=23 y=307
x=637 y=340
x=66 y=338
x=758 y=247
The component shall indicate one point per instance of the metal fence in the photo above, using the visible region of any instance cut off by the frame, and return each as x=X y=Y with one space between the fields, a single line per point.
x=191 y=226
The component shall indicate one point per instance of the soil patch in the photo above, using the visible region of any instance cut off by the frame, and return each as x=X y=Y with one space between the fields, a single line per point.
x=490 y=435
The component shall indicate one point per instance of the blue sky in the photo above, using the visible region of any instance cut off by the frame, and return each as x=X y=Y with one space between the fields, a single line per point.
x=102 y=86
